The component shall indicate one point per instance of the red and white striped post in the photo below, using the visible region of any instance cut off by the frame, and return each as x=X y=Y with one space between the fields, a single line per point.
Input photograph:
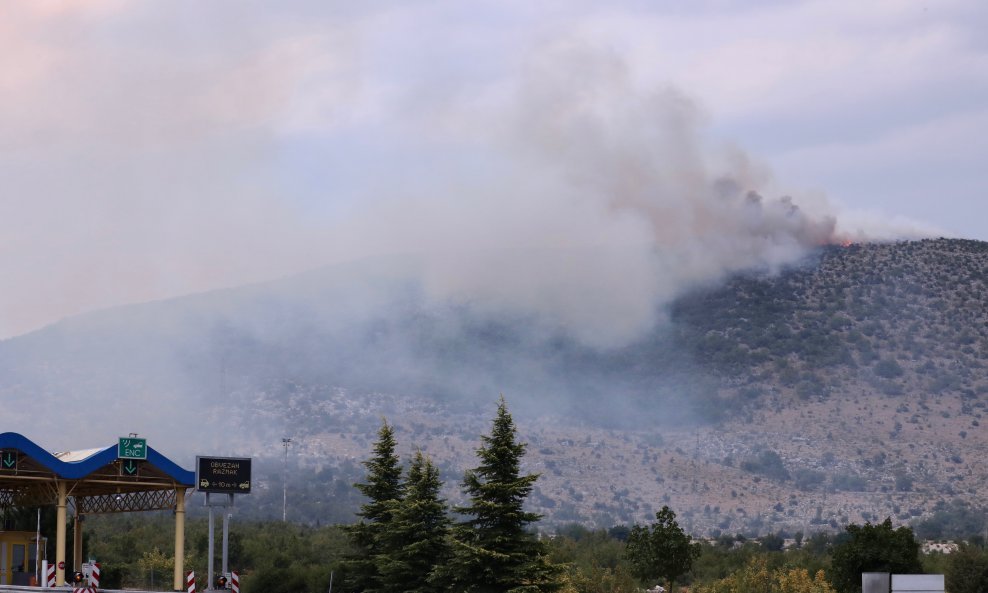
x=94 y=576
x=190 y=581
x=50 y=575
x=235 y=582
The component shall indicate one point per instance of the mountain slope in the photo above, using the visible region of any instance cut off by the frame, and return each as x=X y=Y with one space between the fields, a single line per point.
x=892 y=318
x=847 y=387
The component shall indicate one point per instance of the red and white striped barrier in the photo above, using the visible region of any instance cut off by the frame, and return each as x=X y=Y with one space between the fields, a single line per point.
x=50 y=576
x=190 y=581
x=235 y=582
x=94 y=576
x=84 y=590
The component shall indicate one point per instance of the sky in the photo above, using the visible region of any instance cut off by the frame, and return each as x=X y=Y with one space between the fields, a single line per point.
x=151 y=149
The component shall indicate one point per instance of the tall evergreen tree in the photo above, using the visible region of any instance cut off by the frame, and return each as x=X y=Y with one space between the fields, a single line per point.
x=384 y=489
x=417 y=539
x=493 y=552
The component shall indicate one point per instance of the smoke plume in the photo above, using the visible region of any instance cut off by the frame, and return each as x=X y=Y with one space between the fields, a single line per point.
x=147 y=159
x=590 y=203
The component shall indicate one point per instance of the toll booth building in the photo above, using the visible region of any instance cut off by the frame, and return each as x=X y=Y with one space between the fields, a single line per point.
x=19 y=557
x=103 y=480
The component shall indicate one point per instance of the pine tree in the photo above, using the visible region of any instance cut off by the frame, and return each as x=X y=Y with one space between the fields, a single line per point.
x=493 y=552
x=662 y=550
x=417 y=539
x=384 y=489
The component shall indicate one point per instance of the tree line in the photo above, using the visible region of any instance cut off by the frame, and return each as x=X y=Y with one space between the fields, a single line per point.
x=409 y=539
x=276 y=557
x=406 y=540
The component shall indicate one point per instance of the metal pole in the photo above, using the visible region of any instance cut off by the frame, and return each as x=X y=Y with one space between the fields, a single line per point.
x=209 y=573
x=226 y=540
x=284 y=494
x=330 y=581
x=77 y=542
x=37 y=550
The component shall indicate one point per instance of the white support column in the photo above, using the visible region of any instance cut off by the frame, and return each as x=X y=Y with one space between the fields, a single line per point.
x=180 y=539
x=60 y=534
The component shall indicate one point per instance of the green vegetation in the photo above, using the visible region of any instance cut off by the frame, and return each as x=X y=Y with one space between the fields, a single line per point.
x=757 y=577
x=407 y=540
x=276 y=557
x=271 y=557
x=492 y=549
x=956 y=520
x=384 y=490
x=874 y=548
x=662 y=550
x=769 y=464
x=967 y=570
x=417 y=538
x=404 y=541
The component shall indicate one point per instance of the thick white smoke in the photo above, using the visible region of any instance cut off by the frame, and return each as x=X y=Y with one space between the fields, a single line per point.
x=592 y=203
x=146 y=158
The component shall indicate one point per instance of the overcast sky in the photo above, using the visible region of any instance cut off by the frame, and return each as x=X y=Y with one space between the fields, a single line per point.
x=156 y=148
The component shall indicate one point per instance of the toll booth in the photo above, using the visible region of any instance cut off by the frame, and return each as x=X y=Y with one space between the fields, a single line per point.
x=18 y=557
x=125 y=477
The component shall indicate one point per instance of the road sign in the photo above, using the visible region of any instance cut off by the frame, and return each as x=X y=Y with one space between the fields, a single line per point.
x=8 y=460
x=228 y=475
x=130 y=468
x=132 y=448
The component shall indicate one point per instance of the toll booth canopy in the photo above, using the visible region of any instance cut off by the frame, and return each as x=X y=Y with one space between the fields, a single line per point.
x=101 y=480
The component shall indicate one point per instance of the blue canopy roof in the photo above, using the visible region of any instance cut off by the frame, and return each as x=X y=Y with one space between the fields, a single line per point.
x=77 y=470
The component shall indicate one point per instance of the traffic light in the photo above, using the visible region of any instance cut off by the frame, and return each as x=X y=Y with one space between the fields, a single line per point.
x=77 y=577
x=221 y=582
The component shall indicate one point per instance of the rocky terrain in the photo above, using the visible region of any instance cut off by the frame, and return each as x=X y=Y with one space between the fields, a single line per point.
x=846 y=388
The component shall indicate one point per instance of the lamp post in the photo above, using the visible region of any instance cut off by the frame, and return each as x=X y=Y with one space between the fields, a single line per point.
x=284 y=493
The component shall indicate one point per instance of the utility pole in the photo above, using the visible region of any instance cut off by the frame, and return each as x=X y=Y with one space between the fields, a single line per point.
x=284 y=493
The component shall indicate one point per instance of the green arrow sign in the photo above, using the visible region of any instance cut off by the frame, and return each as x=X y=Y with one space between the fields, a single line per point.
x=130 y=468
x=9 y=460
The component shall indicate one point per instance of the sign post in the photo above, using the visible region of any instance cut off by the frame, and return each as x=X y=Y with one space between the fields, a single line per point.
x=131 y=451
x=224 y=476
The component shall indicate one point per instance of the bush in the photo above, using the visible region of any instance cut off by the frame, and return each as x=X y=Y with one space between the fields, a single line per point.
x=888 y=368
x=769 y=464
x=808 y=479
x=848 y=483
x=276 y=580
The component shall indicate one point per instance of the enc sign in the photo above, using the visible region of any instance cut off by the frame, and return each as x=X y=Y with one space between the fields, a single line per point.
x=226 y=475
x=132 y=448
